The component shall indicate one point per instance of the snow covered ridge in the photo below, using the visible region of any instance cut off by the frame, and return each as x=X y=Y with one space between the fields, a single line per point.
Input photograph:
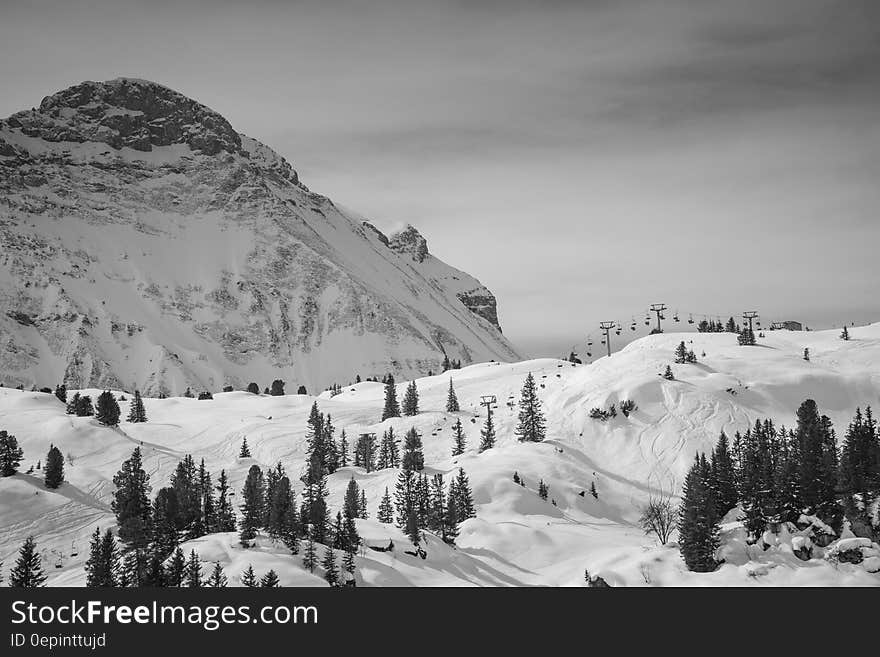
x=517 y=538
x=145 y=244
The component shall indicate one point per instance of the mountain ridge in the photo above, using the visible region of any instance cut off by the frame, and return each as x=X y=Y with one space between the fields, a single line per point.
x=149 y=245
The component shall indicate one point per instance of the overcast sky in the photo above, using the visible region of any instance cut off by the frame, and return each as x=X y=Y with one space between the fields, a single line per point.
x=582 y=159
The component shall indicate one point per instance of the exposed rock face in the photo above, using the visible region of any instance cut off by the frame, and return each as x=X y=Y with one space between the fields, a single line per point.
x=144 y=243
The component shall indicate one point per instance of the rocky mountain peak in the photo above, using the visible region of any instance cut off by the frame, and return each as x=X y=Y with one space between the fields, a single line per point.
x=410 y=241
x=128 y=112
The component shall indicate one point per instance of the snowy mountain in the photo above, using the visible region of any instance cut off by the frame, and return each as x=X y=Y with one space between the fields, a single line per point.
x=144 y=243
x=517 y=538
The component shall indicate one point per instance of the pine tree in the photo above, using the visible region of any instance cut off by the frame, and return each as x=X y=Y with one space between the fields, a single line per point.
x=464 y=500
x=697 y=527
x=446 y=365
x=543 y=490
x=331 y=571
x=331 y=455
x=593 y=490
x=860 y=465
x=54 y=471
x=681 y=353
x=61 y=393
x=176 y=571
x=391 y=409
x=155 y=575
x=10 y=454
x=365 y=452
x=245 y=451
x=844 y=335
x=731 y=326
x=806 y=353
x=362 y=506
x=94 y=563
x=487 y=434
x=131 y=502
x=84 y=406
x=310 y=554
x=818 y=464
x=28 y=570
x=386 y=511
x=411 y=400
x=193 y=573
x=668 y=375
x=277 y=389
x=218 y=578
x=342 y=449
x=405 y=497
x=107 y=409
x=248 y=578
x=280 y=508
x=253 y=388
x=314 y=504
x=270 y=580
x=225 y=514
x=351 y=503
x=531 y=425
x=458 y=445
x=252 y=509
x=137 y=412
x=413 y=458
x=166 y=522
x=516 y=478
x=348 y=563
x=185 y=482
x=746 y=337
x=436 y=521
x=451 y=400
x=450 y=520
x=72 y=404
x=723 y=477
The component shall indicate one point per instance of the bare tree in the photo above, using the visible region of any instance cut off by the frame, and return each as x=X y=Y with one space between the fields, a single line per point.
x=659 y=516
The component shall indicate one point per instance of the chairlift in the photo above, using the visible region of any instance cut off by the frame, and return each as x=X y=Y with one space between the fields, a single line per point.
x=675 y=317
x=73 y=551
x=603 y=340
x=589 y=354
x=691 y=320
x=58 y=562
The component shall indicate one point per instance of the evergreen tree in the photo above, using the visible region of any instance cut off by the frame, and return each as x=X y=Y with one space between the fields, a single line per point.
x=10 y=454
x=270 y=580
x=365 y=452
x=225 y=514
x=310 y=554
x=860 y=465
x=681 y=353
x=818 y=464
x=362 y=507
x=697 y=525
x=458 y=445
x=84 y=406
x=411 y=527
x=176 y=572
x=253 y=388
x=351 y=503
x=54 y=472
x=411 y=400
x=543 y=490
x=252 y=509
x=280 y=508
x=248 y=578
x=348 y=562
x=844 y=335
x=342 y=449
x=723 y=477
x=451 y=400
x=155 y=575
x=446 y=365
x=464 y=501
x=193 y=574
x=166 y=522
x=516 y=478
x=391 y=409
x=277 y=389
x=331 y=571
x=107 y=409
x=531 y=425
x=487 y=434
x=137 y=412
x=218 y=578
x=668 y=375
x=131 y=502
x=245 y=451
x=746 y=337
x=413 y=458
x=405 y=497
x=731 y=326
x=386 y=511
x=72 y=404
x=593 y=490
x=94 y=563
x=28 y=570
x=314 y=504
x=61 y=393
x=185 y=482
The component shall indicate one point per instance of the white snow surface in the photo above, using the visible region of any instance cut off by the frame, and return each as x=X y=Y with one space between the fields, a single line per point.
x=517 y=539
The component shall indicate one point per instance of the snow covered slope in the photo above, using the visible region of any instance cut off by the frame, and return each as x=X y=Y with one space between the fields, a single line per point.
x=516 y=539
x=146 y=244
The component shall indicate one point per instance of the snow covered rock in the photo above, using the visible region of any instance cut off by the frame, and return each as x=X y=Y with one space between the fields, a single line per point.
x=144 y=243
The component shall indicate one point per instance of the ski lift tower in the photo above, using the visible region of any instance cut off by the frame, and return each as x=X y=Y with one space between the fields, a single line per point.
x=749 y=316
x=607 y=327
x=488 y=401
x=658 y=308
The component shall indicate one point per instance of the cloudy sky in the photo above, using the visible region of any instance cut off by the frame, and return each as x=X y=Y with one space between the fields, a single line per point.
x=583 y=159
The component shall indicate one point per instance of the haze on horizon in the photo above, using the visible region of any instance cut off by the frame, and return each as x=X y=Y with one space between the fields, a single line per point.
x=581 y=158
